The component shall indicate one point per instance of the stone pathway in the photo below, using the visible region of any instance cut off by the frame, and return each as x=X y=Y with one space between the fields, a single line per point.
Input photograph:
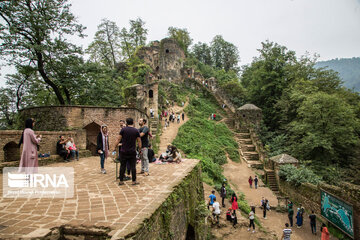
x=98 y=201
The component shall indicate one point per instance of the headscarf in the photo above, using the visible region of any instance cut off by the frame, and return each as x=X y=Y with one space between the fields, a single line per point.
x=28 y=124
x=105 y=139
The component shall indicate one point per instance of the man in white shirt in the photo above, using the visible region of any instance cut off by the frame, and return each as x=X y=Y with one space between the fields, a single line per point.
x=216 y=210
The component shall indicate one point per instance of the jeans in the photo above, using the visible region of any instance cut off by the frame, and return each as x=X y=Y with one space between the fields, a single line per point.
x=313 y=227
x=264 y=212
x=74 y=153
x=144 y=160
x=255 y=185
x=102 y=160
x=223 y=199
x=125 y=158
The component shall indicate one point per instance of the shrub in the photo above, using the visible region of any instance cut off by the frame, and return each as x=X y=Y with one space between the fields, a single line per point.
x=297 y=176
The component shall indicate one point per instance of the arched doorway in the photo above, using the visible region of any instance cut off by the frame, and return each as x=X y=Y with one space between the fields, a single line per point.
x=190 y=233
x=92 y=131
x=151 y=94
x=11 y=152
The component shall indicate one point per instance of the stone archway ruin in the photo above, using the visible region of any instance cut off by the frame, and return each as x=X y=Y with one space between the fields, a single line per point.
x=11 y=152
x=92 y=131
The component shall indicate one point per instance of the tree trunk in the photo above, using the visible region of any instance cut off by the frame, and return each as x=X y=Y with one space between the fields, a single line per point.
x=41 y=70
x=68 y=97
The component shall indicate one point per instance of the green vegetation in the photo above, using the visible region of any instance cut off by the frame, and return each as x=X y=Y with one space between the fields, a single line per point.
x=348 y=69
x=206 y=139
x=299 y=175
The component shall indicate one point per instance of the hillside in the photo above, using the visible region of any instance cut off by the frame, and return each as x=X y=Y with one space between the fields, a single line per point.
x=348 y=69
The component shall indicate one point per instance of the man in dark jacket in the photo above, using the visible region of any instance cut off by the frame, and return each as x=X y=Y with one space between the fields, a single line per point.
x=223 y=194
x=61 y=149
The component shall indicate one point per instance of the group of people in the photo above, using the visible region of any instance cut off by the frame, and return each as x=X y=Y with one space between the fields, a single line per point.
x=255 y=181
x=231 y=212
x=171 y=154
x=213 y=116
x=67 y=149
x=172 y=117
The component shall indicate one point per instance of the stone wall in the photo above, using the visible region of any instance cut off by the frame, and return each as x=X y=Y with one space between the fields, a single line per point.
x=84 y=121
x=180 y=215
x=309 y=196
x=9 y=140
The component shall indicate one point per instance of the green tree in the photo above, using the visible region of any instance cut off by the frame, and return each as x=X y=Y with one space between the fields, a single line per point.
x=325 y=130
x=105 y=48
x=202 y=52
x=182 y=36
x=33 y=32
x=225 y=55
x=133 y=38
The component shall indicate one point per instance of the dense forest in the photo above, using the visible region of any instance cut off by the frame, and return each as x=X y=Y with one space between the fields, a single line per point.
x=348 y=69
x=307 y=112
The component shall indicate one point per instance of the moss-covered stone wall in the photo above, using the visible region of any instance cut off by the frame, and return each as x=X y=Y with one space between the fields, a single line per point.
x=184 y=209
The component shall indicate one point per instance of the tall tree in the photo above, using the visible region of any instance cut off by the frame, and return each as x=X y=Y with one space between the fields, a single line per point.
x=133 y=38
x=202 y=53
x=105 y=48
x=33 y=32
x=182 y=36
x=225 y=55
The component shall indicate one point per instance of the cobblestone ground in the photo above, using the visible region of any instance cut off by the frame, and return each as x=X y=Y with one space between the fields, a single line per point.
x=98 y=200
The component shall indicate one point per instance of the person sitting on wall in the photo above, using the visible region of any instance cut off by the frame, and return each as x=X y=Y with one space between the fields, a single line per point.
x=151 y=154
x=73 y=150
x=61 y=148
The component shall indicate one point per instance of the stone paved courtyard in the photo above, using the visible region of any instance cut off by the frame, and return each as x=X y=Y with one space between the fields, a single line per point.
x=98 y=201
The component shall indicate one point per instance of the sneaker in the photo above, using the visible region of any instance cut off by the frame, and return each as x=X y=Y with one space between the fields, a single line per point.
x=248 y=229
x=146 y=174
x=121 y=183
x=253 y=231
x=104 y=171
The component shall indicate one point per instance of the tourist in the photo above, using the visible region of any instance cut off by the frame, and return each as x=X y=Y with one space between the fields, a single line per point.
x=128 y=135
x=234 y=218
x=234 y=203
x=211 y=198
x=128 y=168
x=29 y=156
x=286 y=232
x=250 y=181
x=144 y=133
x=299 y=218
x=312 y=218
x=325 y=235
x=214 y=116
x=228 y=214
x=61 y=148
x=216 y=210
x=252 y=218
x=166 y=123
x=183 y=116
x=291 y=214
x=173 y=117
x=151 y=154
x=256 y=180
x=175 y=155
x=223 y=194
x=73 y=150
x=103 y=146
x=151 y=112
x=178 y=118
x=265 y=208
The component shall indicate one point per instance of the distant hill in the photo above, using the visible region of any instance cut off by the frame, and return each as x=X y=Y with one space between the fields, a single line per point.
x=348 y=69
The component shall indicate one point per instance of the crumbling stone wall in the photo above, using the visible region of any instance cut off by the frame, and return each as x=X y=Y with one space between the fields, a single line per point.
x=80 y=119
x=47 y=144
x=166 y=58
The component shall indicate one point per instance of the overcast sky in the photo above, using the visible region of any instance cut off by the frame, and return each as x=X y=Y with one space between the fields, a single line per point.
x=330 y=28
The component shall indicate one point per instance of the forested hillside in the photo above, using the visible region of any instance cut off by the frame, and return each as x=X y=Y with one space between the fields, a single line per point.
x=348 y=69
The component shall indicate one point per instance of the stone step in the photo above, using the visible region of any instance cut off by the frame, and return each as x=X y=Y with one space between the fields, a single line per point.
x=251 y=155
x=242 y=136
x=248 y=148
x=245 y=141
x=243 y=130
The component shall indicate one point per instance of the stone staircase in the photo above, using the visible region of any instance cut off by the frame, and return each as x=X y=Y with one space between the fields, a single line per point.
x=271 y=180
x=247 y=149
x=153 y=124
